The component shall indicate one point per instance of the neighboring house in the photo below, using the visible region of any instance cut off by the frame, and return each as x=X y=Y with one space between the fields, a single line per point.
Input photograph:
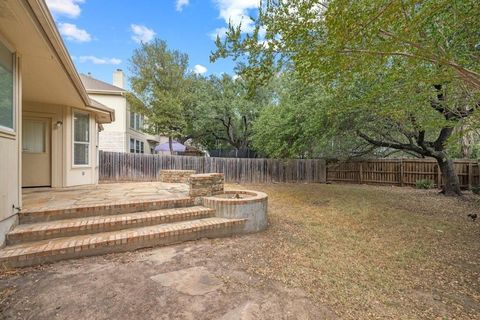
x=125 y=134
x=48 y=123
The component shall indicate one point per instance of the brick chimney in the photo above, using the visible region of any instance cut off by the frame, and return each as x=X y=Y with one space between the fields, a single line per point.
x=119 y=78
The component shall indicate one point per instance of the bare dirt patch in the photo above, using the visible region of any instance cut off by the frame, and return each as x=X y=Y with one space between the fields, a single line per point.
x=331 y=251
x=194 y=280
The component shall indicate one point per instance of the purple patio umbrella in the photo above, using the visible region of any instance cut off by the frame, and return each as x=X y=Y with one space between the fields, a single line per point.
x=176 y=146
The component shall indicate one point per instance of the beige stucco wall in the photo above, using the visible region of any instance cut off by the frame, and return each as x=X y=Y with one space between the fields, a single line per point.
x=48 y=76
x=10 y=166
x=117 y=103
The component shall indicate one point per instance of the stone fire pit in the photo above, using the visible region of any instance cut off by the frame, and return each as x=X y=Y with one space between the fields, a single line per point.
x=241 y=204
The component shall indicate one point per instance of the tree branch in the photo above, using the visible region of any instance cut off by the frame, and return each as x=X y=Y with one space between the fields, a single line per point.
x=399 y=146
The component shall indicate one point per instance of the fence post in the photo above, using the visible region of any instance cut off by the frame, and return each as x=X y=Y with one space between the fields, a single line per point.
x=478 y=171
x=360 y=174
x=322 y=171
x=401 y=172
x=470 y=175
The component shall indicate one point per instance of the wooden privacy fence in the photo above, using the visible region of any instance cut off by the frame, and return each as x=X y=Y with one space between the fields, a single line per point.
x=401 y=172
x=115 y=166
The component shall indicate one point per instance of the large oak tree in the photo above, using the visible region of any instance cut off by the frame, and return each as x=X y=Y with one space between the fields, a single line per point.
x=398 y=74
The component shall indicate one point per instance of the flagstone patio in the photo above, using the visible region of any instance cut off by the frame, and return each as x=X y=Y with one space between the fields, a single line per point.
x=113 y=193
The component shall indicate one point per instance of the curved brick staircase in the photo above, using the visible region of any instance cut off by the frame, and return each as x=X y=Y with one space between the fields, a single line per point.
x=52 y=235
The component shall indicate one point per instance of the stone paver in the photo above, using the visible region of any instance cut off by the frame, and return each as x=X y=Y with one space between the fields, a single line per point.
x=102 y=209
x=48 y=199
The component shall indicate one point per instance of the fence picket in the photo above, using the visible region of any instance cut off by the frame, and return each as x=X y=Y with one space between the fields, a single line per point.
x=115 y=166
x=402 y=172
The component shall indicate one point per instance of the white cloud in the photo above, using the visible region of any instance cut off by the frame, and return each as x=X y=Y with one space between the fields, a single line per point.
x=142 y=34
x=69 y=8
x=96 y=60
x=199 y=69
x=237 y=12
x=181 y=4
x=72 y=32
x=220 y=32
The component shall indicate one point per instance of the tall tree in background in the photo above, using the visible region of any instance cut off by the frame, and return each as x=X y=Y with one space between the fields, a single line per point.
x=159 y=83
x=398 y=74
x=227 y=111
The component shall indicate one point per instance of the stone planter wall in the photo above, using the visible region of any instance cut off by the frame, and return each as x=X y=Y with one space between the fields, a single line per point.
x=206 y=184
x=176 y=176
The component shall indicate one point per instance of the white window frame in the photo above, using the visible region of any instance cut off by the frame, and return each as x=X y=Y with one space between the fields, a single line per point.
x=81 y=142
x=141 y=145
x=136 y=117
x=6 y=130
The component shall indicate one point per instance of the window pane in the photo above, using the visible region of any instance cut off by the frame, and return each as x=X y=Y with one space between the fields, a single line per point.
x=6 y=87
x=137 y=146
x=141 y=147
x=33 y=136
x=132 y=146
x=81 y=127
x=80 y=153
x=132 y=119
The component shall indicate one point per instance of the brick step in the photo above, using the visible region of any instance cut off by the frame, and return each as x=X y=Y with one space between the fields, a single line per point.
x=45 y=251
x=73 y=227
x=32 y=216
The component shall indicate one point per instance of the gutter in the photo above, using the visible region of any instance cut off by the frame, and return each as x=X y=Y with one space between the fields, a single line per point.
x=106 y=92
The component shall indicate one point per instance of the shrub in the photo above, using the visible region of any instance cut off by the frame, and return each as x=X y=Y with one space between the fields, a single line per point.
x=424 y=184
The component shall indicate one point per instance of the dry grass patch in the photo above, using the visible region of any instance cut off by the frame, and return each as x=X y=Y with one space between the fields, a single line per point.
x=372 y=252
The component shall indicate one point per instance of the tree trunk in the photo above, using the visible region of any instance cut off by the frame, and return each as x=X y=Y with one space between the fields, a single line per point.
x=451 y=183
x=170 y=145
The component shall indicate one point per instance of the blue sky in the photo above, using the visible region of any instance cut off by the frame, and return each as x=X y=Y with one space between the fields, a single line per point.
x=102 y=34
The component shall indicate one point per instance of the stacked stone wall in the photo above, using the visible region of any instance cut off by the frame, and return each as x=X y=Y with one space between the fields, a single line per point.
x=206 y=184
x=176 y=176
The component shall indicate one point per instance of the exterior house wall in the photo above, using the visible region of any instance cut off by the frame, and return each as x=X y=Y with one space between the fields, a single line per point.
x=113 y=137
x=116 y=136
x=115 y=141
x=48 y=88
x=64 y=172
x=150 y=141
x=10 y=163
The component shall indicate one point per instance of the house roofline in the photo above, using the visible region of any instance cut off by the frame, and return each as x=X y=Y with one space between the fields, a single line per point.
x=43 y=19
x=109 y=92
x=99 y=106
